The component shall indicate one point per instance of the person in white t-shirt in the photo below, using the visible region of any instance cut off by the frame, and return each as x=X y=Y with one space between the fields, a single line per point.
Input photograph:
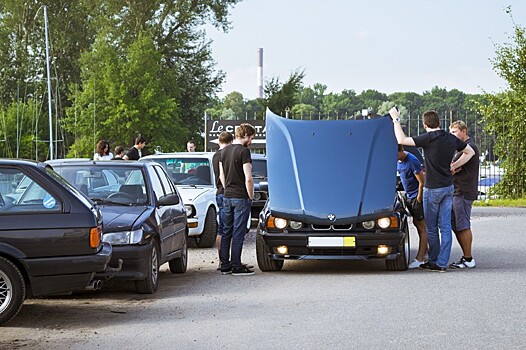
x=103 y=151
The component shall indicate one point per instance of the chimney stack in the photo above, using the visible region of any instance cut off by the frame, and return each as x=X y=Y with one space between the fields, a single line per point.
x=260 y=73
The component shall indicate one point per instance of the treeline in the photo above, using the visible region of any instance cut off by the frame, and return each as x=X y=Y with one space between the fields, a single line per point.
x=118 y=68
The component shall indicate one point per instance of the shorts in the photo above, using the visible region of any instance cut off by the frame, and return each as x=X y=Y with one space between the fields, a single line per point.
x=461 y=213
x=416 y=209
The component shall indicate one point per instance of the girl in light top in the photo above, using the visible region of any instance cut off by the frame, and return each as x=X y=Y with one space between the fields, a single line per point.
x=103 y=151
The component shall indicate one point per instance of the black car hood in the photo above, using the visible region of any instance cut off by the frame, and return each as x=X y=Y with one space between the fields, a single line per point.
x=331 y=171
x=118 y=218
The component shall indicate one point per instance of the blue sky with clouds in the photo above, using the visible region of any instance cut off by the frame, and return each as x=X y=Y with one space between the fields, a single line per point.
x=389 y=46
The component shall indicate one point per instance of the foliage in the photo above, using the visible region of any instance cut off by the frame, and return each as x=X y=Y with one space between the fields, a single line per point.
x=504 y=115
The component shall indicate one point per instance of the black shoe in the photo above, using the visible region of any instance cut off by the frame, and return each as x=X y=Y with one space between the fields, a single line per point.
x=226 y=271
x=426 y=266
x=437 y=268
x=248 y=266
x=243 y=271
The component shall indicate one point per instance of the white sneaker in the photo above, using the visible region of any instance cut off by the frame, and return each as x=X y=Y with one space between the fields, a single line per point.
x=462 y=264
x=415 y=264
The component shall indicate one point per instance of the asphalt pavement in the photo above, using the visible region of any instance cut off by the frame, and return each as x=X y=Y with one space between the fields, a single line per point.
x=308 y=305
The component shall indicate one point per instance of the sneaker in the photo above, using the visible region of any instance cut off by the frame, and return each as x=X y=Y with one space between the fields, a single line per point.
x=426 y=265
x=245 y=265
x=415 y=264
x=436 y=268
x=243 y=271
x=462 y=264
x=226 y=271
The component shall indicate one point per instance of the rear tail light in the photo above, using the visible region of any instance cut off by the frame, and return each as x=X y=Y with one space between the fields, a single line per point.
x=95 y=235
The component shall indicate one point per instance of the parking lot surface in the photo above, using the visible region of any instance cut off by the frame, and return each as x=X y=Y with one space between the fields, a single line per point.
x=310 y=304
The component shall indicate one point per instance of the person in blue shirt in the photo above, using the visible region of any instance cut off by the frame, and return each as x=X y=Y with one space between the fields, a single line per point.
x=412 y=177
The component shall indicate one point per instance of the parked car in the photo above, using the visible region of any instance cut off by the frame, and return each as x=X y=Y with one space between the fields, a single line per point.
x=143 y=216
x=332 y=193
x=50 y=236
x=259 y=173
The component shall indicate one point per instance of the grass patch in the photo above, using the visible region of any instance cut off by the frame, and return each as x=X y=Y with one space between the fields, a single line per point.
x=521 y=202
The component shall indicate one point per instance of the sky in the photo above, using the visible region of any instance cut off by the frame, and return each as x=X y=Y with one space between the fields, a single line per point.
x=390 y=46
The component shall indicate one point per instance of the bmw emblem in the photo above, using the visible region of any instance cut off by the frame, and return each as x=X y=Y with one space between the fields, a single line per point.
x=331 y=217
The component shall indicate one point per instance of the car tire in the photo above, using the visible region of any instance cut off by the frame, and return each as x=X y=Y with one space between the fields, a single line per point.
x=265 y=263
x=207 y=239
x=401 y=263
x=179 y=265
x=151 y=282
x=12 y=290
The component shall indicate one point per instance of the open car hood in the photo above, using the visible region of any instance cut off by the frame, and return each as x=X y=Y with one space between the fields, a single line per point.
x=331 y=171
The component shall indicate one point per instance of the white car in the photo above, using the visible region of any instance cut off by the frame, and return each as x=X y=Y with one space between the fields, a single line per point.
x=193 y=175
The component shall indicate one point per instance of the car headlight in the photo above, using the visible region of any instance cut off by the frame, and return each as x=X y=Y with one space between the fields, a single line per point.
x=122 y=238
x=368 y=224
x=257 y=196
x=190 y=210
x=384 y=222
x=279 y=223
x=296 y=225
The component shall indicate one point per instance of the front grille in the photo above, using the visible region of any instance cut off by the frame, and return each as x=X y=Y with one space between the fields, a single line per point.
x=331 y=227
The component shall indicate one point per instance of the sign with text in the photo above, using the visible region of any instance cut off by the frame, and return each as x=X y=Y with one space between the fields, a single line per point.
x=216 y=127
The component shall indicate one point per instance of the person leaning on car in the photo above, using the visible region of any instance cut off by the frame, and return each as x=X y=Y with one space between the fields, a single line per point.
x=465 y=180
x=412 y=177
x=235 y=169
x=439 y=147
x=225 y=139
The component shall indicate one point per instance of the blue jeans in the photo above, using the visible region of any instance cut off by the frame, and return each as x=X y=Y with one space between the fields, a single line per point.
x=221 y=214
x=437 y=212
x=237 y=211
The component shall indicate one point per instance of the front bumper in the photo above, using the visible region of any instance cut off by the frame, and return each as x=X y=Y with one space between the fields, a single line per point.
x=365 y=246
x=135 y=262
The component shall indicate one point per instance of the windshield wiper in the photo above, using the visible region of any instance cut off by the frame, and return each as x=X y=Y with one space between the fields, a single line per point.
x=106 y=201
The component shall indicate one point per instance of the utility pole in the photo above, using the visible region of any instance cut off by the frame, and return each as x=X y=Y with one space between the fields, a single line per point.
x=48 y=87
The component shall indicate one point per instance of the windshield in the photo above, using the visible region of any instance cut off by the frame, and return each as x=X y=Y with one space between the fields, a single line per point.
x=259 y=168
x=188 y=171
x=107 y=184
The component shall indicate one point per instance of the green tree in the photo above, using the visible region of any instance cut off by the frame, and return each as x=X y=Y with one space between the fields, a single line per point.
x=504 y=114
x=282 y=96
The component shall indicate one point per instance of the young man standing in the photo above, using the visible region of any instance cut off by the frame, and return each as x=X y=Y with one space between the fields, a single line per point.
x=225 y=139
x=439 y=147
x=465 y=180
x=235 y=169
x=135 y=152
x=412 y=177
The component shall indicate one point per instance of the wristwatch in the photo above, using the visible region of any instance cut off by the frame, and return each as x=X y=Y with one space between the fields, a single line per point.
x=396 y=120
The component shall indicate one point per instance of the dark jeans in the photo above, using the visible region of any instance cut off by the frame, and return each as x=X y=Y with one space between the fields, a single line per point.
x=221 y=214
x=237 y=211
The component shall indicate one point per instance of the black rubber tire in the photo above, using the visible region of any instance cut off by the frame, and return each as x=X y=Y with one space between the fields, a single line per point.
x=401 y=263
x=149 y=284
x=263 y=256
x=179 y=265
x=207 y=239
x=12 y=290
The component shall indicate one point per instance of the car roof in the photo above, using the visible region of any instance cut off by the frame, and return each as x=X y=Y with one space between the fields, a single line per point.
x=208 y=155
x=102 y=163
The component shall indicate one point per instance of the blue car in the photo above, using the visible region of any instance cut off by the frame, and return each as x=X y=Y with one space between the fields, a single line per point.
x=332 y=193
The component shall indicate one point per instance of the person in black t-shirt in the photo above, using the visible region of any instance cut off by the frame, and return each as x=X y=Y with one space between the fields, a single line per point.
x=235 y=168
x=465 y=180
x=225 y=139
x=135 y=152
x=439 y=147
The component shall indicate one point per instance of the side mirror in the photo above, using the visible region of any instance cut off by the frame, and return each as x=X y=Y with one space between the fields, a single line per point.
x=171 y=199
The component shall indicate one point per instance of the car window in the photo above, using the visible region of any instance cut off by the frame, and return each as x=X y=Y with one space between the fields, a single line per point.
x=107 y=183
x=21 y=192
x=259 y=168
x=157 y=186
x=188 y=171
x=165 y=181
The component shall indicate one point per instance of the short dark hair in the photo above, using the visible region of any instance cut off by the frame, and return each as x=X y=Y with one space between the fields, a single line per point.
x=119 y=150
x=431 y=119
x=245 y=129
x=140 y=139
